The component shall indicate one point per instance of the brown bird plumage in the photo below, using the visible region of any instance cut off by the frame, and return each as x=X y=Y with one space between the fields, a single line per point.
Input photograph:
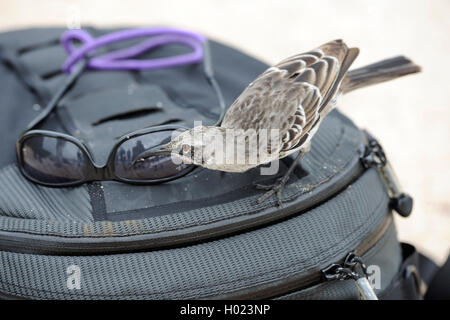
x=293 y=95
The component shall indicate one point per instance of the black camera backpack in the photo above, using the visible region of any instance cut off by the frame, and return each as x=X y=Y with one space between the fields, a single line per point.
x=201 y=236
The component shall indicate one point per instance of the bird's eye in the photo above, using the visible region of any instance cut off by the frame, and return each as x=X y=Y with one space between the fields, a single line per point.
x=185 y=148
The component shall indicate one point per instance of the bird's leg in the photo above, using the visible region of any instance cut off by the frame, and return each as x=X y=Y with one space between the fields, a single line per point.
x=277 y=187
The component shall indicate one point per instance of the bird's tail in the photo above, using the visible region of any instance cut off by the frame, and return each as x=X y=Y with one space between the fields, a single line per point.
x=384 y=70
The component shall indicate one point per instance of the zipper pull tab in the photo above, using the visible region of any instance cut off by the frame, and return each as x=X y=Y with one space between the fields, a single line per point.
x=365 y=289
x=347 y=271
x=373 y=156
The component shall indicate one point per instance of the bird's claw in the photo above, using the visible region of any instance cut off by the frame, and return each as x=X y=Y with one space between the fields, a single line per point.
x=275 y=188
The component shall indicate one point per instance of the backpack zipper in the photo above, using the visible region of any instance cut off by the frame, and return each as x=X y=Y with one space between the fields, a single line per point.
x=331 y=273
x=347 y=270
x=277 y=289
x=373 y=156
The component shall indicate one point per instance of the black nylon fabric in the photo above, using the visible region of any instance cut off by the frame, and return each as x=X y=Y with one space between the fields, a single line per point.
x=407 y=283
x=13 y=115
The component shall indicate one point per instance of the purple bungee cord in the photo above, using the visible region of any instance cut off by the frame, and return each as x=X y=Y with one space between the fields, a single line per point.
x=121 y=59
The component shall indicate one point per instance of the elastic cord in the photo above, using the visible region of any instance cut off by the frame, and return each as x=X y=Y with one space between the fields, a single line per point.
x=120 y=59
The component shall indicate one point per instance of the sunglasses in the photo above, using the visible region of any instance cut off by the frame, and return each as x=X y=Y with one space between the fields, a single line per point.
x=56 y=159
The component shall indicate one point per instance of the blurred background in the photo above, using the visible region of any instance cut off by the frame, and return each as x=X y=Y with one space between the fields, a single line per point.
x=410 y=116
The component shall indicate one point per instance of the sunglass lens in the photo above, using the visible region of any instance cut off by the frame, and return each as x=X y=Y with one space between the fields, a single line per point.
x=152 y=168
x=53 y=160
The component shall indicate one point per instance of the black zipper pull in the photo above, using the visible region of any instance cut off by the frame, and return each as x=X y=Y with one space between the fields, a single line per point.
x=347 y=270
x=373 y=156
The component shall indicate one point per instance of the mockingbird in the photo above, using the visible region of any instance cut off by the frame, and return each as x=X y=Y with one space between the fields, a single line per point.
x=292 y=98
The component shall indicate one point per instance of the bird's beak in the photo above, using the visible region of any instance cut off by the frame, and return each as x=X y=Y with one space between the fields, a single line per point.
x=156 y=151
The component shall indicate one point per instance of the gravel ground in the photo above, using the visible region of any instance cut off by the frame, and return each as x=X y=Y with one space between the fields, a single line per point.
x=409 y=116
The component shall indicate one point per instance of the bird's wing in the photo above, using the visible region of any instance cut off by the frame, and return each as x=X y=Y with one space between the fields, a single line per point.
x=290 y=95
